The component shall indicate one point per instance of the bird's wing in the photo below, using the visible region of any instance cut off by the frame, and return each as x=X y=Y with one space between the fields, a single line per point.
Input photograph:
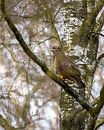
x=70 y=66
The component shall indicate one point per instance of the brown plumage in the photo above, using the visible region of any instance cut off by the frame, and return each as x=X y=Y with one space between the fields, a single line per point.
x=65 y=67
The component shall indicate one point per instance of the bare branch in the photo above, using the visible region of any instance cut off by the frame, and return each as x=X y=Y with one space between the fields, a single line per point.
x=100 y=122
x=90 y=23
x=100 y=34
x=98 y=60
x=50 y=19
x=100 y=102
x=97 y=110
x=100 y=57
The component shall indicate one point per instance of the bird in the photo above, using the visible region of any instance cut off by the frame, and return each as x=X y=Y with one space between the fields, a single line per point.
x=65 y=68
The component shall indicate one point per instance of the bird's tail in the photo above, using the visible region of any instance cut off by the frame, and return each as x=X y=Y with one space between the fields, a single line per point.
x=79 y=81
x=81 y=86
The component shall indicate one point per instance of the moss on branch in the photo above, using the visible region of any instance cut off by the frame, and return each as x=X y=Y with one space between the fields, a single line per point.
x=5 y=124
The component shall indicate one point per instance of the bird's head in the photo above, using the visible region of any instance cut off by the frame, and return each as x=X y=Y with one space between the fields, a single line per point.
x=56 y=50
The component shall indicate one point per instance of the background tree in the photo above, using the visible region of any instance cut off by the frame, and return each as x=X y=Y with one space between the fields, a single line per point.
x=26 y=92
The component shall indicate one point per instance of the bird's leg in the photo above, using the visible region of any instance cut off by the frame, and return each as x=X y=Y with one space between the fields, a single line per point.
x=61 y=76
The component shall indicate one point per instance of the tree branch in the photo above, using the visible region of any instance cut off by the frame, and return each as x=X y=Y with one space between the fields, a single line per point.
x=101 y=34
x=89 y=23
x=48 y=15
x=5 y=124
x=99 y=58
x=99 y=123
x=100 y=102
x=97 y=110
x=98 y=61
x=43 y=66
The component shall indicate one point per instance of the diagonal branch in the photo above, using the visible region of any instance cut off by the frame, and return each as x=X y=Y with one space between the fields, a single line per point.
x=43 y=66
x=99 y=123
x=98 y=61
x=100 y=102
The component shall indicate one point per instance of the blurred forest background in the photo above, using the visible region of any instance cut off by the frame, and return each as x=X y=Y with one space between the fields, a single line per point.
x=29 y=98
